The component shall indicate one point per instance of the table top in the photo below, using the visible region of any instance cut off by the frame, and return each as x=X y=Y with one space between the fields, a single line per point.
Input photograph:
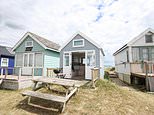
x=56 y=81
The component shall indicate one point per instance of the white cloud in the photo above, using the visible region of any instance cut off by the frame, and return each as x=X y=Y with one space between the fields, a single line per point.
x=57 y=20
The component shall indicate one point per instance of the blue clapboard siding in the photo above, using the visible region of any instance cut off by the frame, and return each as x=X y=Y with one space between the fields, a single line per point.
x=10 y=64
x=51 y=60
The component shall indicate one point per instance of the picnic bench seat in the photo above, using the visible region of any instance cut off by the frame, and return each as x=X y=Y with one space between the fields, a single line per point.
x=45 y=96
x=49 y=97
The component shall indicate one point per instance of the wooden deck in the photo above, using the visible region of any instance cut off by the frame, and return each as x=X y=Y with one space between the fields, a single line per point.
x=142 y=75
x=14 y=82
x=14 y=77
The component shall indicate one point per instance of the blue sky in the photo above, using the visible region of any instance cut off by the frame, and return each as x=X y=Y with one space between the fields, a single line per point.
x=111 y=23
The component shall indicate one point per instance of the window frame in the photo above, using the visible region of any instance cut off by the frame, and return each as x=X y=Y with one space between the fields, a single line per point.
x=151 y=36
x=6 y=62
x=30 y=45
x=35 y=60
x=78 y=45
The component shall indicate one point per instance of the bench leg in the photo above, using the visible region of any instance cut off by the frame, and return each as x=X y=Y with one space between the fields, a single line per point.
x=63 y=107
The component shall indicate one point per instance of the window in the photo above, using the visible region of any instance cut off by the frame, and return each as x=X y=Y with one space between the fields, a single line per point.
x=148 y=39
x=127 y=53
x=38 y=60
x=4 y=62
x=91 y=58
x=66 y=59
x=78 y=43
x=19 y=59
x=145 y=54
x=135 y=52
x=29 y=44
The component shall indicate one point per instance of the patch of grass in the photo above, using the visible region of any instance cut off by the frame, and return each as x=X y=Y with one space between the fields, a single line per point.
x=106 y=98
x=105 y=85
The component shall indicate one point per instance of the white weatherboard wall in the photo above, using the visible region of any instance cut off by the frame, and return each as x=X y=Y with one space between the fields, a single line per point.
x=101 y=65
x=122 y=66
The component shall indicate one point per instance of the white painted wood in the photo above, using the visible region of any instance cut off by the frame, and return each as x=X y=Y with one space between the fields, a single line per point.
x=101 y=65
x=67 y=67
x=90 y=63
x=28 y=64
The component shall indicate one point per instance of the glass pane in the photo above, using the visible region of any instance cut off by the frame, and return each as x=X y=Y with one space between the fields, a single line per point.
x=66 y=60
x=30 y=60
x=145 y=54
x=78 y=43
x=90 y=58
x=38 y=60
x=25 y=60
x=19 y=58
x=135 y=54
x=4 y=62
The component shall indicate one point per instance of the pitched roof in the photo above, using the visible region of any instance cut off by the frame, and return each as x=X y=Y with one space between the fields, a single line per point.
x=47 y=44
x=85 y=37
x=133 y=40
x=6 y=51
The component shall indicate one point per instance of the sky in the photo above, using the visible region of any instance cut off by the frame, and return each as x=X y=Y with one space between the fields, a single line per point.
x=111 y=23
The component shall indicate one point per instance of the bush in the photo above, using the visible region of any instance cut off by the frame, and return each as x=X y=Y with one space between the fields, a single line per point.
x=106 y=75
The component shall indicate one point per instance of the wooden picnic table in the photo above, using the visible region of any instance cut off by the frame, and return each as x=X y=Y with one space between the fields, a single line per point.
x=69 y=85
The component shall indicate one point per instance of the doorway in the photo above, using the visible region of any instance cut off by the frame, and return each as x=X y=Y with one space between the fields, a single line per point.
x=78 y=65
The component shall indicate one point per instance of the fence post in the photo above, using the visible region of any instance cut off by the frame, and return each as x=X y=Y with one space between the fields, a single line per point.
x=1 y=71
x=19 y=73
x=93 y=81
x=146 y=76
x=6 y=72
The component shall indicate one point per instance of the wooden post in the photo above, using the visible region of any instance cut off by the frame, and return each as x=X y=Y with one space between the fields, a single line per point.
x=1 y=71
x=93 y=79
x=146 y=76
x=19 y=73
x=6 y=72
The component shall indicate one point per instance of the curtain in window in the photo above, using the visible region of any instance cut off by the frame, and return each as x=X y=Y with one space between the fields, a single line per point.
x=19 y=59
x=135 y=52
x=38 y=60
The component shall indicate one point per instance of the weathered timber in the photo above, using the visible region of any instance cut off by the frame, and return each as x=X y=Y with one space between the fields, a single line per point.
x=45 y=96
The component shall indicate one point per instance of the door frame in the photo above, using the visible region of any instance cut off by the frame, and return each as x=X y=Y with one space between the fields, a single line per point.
x=87 y=73
x=70 y=60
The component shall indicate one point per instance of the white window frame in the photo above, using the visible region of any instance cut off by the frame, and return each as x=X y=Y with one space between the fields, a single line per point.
x=28 y=60
x=42 y=60
x=7 y=62
x=27 y=42
x=78 y=45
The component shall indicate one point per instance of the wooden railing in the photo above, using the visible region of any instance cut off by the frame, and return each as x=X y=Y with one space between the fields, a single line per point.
x=17 y=71
x=50 y=72
x=142 y=67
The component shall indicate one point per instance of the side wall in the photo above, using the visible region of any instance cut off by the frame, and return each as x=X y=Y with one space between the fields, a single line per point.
x=122 y=66
x=101 y=65
x=10 y=64
x=51 y=60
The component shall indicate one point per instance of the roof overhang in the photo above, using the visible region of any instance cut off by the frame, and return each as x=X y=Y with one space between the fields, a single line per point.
x=29 y=34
